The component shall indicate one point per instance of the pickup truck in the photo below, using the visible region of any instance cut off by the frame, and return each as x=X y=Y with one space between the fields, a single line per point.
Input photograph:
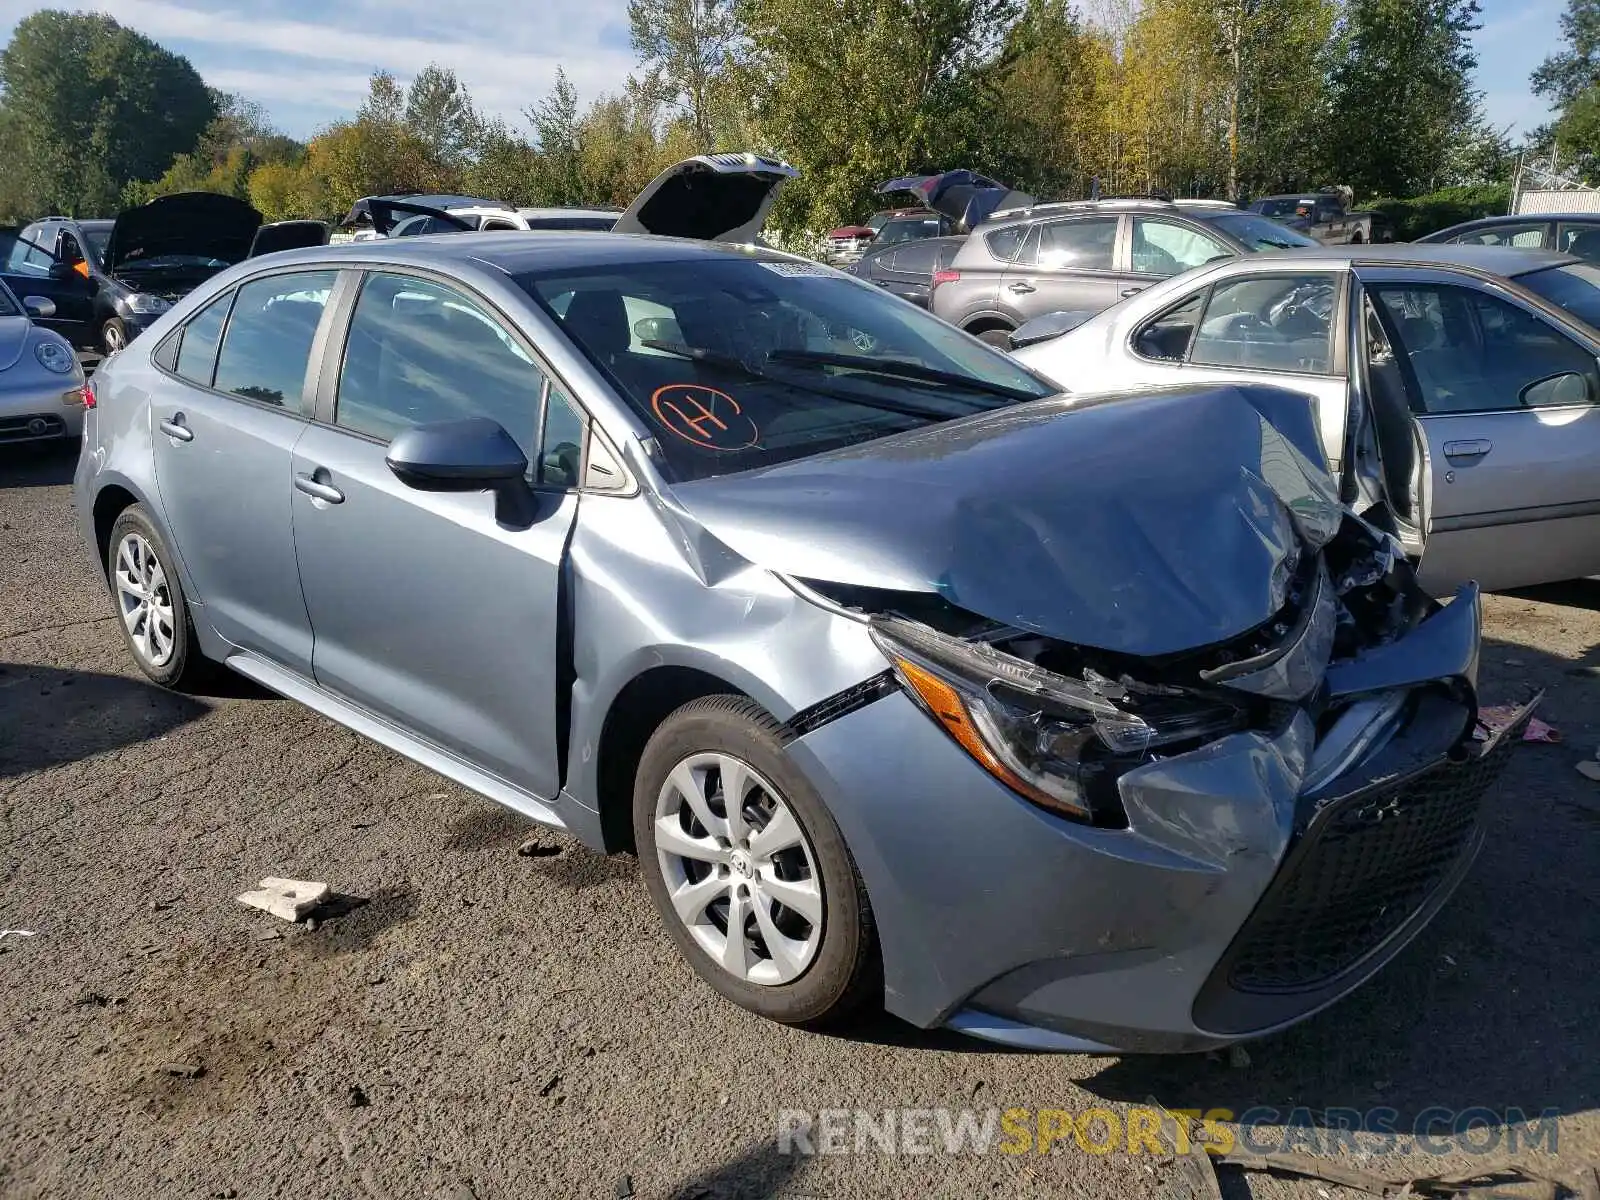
x=1325 y=216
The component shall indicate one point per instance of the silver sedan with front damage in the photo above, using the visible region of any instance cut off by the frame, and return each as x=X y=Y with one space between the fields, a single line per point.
x=41 y=383
x=1456 y=386
x=909 y=684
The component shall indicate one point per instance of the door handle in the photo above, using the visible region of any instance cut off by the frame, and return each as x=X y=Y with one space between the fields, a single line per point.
x=1021 y=289
x=1132 y=291
x=1475 y=448
x=318 y=490
x=177 y=428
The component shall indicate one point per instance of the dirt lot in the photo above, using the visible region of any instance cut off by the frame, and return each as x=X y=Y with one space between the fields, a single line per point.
x=499 y=1025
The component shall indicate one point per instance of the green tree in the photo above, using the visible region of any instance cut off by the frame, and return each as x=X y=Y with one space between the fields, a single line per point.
x=239 y=140
x=557 y=136
x=90 y=106
x=888 y=87
x=686 y=48
x=1402 y=67
x=439 y=112
x=1571 y=80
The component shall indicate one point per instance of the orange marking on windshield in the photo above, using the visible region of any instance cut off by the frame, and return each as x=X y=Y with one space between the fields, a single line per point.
x=704 y=416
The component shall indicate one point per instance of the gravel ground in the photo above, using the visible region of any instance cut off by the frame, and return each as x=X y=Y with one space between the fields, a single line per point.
x=494 y=1024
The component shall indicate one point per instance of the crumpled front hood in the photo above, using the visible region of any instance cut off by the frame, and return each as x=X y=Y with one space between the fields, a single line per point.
x=1147 y=525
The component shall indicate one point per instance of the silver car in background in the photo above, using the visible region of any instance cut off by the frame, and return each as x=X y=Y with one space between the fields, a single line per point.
x=1459 y=381
x=909 y=683
x=41 y=382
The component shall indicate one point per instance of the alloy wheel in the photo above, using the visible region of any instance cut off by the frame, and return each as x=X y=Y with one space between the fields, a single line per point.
x=113 y=338
x=145 y=601
x=739 y=870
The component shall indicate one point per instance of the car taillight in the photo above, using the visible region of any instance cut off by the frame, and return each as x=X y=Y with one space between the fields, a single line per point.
x=88 y=393
x=945 y=277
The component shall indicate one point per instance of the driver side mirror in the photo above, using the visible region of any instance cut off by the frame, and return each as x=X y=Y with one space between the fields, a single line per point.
x=39 y=306
x=1555 y=391
x=470 y=455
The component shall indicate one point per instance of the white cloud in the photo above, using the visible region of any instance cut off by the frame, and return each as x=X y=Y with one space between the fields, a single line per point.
x=507 y=56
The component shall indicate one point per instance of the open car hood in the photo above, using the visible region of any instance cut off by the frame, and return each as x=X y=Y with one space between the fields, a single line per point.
x=201 y=224
x=966 y=197
x=713 y=197
x=1145 y=525
x=288 y=235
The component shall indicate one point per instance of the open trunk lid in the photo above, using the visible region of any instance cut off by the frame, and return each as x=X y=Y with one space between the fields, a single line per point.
x=712 y=197
x=966 y=197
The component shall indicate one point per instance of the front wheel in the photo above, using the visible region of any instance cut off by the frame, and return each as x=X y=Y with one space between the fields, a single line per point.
x=1355 y=238
x=748 y=870
x=113 y=335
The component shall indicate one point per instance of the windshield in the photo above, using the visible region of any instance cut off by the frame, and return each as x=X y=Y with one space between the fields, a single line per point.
x=97 y=239
x=172 y=262
x=1575 y=288
x=1276 y=208
x=742 y=362
x=1258 y=233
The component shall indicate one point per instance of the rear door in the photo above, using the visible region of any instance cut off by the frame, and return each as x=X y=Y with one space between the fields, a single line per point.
x=1160 y=247
x=31 y=269
x=1277 y=327
x=1507 y=404
x=235 y=402
x=1064 y=264
x=907 y=270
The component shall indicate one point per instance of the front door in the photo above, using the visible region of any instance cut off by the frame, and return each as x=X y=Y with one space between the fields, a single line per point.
x=426 y=610
x=30 y=269
x=1507 y=405
x=1064 y=266
x=223 y=436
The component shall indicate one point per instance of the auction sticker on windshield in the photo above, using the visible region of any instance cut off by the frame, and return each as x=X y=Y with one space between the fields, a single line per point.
x=704 y=416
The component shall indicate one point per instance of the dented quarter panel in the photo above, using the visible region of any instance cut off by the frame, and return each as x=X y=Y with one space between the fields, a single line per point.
x=1069 y=522
x=647 y=592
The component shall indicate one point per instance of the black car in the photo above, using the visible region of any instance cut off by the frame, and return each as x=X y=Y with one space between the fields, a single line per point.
x=1570 y=233
x=906 y=268
x=110 y=279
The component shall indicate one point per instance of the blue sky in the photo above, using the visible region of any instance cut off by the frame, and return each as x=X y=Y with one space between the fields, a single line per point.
x=308 y=62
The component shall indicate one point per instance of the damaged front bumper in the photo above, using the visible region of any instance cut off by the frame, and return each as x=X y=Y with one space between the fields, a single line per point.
x=1247 y=883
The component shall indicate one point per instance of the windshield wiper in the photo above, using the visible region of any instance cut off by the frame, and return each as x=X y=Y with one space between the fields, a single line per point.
x=729 y=362
x=897 y=368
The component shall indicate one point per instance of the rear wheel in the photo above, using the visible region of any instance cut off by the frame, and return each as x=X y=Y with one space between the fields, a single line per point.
x=150 y=601
x=747 y=869
x=995 y=337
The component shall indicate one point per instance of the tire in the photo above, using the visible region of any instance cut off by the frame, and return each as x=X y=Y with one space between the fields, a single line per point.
x=113 y=335
x=842 y=972
x=995 y=337
x=173 y=660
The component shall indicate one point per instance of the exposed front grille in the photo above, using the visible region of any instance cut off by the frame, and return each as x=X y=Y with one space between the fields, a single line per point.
x=34 y=425
x=1365 y=867
x=844 y=250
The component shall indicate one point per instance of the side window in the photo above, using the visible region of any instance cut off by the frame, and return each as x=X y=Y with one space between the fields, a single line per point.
x=420 y=352
x=561 y=460
x=1167 y=338
x=1582 y=240
x=1269 y=323
x=1503 y=235
x=197 y=352
x=1004 y=243
x=1087 y=244
x=27 y=256
x=918 y=256
x=69 y=251
x=1474 y=352
x=267 y=345
x=1166 y=247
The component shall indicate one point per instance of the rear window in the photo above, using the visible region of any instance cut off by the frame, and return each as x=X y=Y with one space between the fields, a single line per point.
x=738 y=363
x=1575 y=288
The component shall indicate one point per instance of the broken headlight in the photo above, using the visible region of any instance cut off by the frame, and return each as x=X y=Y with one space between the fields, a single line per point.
x=1059 y=742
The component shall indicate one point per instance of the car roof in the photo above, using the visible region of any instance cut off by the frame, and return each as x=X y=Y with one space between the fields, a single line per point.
x=1508 y=261
x=518 y=251
x=1591 y=218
